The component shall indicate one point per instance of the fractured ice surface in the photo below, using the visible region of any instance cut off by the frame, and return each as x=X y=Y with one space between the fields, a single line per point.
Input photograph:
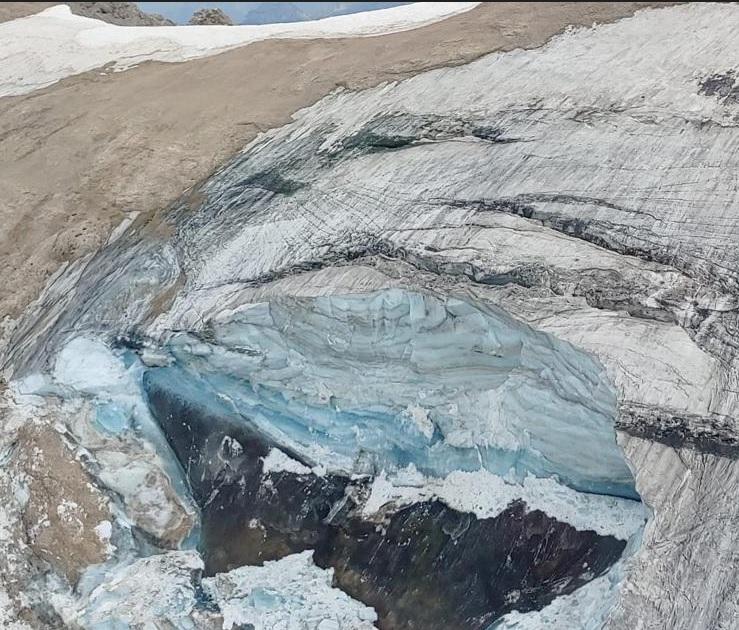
x=341 y=380
x=168 y=591
x=157 y=590
x=285 y=593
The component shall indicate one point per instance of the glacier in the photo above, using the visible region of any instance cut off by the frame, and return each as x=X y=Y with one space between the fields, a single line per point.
x=337 y=379
x=299 y=422
x=432 y=316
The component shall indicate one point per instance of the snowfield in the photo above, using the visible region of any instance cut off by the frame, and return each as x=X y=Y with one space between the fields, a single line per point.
x=42 y=49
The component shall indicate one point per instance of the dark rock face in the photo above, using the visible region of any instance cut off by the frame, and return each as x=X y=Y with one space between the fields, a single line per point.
x=425 y=566
x=247 y=517
x=723 y=86
x=434 y=567
x=121 y=13
x=203 y=17
x=713 y=433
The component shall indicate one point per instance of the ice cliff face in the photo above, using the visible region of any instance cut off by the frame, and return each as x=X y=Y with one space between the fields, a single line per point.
x=403 y=378
x=400 y=332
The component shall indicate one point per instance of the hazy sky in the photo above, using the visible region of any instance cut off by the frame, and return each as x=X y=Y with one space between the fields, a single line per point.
x=180 y=12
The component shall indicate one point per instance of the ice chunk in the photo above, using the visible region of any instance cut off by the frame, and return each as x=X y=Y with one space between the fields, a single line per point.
x=277 y=461
x=486 y=495
x=291 y=592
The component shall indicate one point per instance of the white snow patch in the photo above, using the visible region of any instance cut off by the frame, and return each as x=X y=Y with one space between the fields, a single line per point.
x=288 y=593
x=487 y=495
x=41 y=49
x=88 y=366
x=420 y=418
x=277 y=461
x=104 y=530
x=123 y=225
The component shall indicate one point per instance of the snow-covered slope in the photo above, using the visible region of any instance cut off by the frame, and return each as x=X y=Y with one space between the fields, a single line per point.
x=39 y=50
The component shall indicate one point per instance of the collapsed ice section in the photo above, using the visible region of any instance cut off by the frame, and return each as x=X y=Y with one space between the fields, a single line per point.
x=168 y=591
x=346 y=423
x=103 y=410
x=426 y=405
x=282 y=592
x=364 y=383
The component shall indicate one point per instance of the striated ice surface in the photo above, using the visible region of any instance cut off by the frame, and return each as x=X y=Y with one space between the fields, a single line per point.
x=395 y=378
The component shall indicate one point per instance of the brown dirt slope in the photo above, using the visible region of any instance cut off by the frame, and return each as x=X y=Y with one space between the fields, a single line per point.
x=77 y=155
x=13 y=10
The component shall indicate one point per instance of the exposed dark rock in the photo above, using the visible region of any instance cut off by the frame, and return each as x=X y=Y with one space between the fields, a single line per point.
x=396 y=131
x=434 y=567
x=722 y=85
x=246 y=519
x=709 y=433
x=426 y=566
x=271 y=181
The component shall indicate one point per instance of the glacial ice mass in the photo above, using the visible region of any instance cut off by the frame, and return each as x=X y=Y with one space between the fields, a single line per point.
x=478 y=324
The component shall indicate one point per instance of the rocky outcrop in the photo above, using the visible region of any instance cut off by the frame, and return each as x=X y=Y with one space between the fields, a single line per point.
x=56 y=519
x=120 y=13
x=202 y=17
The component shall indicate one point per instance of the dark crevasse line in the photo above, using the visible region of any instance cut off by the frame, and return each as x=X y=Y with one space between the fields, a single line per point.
x=423 y=566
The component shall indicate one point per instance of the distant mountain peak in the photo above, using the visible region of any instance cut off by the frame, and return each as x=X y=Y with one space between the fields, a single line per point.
x=275 y=12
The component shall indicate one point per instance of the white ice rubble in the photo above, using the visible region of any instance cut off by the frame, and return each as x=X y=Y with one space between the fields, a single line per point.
x=168 y=590
x=287 y=593
x=486 y=495
x=41 y=49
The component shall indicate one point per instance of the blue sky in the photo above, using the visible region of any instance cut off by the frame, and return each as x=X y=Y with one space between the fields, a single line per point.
x=180 y=12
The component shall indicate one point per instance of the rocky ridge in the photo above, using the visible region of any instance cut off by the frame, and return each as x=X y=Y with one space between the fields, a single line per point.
x=210 y=16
